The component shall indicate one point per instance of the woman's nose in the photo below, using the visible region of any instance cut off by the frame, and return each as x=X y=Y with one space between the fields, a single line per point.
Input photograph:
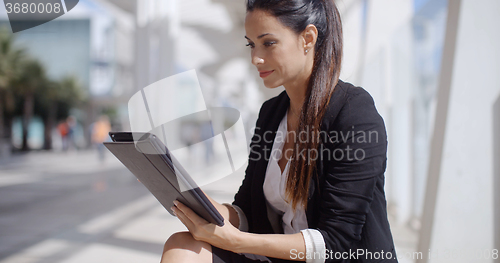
x=256 y=60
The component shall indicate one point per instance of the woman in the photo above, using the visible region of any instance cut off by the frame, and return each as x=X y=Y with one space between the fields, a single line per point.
x=313 y=189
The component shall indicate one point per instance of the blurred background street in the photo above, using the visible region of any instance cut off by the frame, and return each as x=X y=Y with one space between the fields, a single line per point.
x=430 y=65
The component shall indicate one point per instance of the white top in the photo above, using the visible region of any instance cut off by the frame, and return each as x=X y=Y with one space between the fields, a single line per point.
x=274 y=191
x=275 y=185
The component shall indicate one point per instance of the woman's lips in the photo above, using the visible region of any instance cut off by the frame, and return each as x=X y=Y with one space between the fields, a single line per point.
x=264 y=74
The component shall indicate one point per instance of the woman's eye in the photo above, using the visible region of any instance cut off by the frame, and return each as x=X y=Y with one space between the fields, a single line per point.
x=267 y=44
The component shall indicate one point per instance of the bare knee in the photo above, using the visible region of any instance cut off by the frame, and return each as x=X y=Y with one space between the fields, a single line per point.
x=182 y=240
x=183 y=245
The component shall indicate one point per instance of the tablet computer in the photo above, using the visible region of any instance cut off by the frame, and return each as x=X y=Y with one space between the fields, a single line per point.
x=151 y=162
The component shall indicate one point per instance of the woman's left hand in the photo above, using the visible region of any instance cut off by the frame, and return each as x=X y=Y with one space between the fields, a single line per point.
x=224 y=237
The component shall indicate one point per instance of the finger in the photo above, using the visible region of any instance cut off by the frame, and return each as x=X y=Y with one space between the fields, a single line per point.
x=193 y=217
x=184 y=219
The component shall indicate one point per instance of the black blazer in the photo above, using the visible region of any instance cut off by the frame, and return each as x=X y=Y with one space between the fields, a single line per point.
x=346 y=199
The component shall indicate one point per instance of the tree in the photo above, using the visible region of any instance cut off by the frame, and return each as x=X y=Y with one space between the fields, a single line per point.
x=32 y=77
x=11 y=59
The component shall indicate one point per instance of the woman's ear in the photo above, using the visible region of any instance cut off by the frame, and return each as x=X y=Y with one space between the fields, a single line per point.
x=309 y=36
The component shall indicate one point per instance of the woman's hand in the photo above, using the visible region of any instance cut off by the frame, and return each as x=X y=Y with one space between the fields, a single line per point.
x=225 y=237
x=230 y=238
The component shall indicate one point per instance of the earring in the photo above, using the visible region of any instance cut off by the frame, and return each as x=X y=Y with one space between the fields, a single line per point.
x=307 y=50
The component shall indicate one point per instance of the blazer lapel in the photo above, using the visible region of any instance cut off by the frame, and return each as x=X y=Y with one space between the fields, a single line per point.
x=272 y=118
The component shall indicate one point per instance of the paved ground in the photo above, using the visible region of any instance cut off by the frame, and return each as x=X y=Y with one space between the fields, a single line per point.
x=71 y=208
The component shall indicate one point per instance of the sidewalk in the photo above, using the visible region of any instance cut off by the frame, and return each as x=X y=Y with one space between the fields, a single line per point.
x=36 y=166
x=132 y=232
x=129 y=226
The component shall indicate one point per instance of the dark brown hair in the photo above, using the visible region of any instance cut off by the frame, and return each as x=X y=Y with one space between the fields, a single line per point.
x=297 y=15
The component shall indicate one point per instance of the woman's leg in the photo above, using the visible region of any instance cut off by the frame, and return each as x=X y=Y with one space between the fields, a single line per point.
x=182 y=247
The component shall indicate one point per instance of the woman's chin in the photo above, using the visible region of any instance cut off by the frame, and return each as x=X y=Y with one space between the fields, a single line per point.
x=271 y=85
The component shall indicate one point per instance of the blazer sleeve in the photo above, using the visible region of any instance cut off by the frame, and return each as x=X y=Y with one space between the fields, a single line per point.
x=354 y=159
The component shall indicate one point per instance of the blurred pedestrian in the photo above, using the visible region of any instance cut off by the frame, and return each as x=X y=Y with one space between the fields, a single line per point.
x=71 y=124
x=63 y=130
x=100 y=134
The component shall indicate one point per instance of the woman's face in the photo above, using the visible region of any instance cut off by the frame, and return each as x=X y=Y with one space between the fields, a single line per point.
x=277 y=52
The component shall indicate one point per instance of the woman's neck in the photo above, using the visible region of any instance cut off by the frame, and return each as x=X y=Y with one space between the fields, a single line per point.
x=297 y=94
x=296 y=89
